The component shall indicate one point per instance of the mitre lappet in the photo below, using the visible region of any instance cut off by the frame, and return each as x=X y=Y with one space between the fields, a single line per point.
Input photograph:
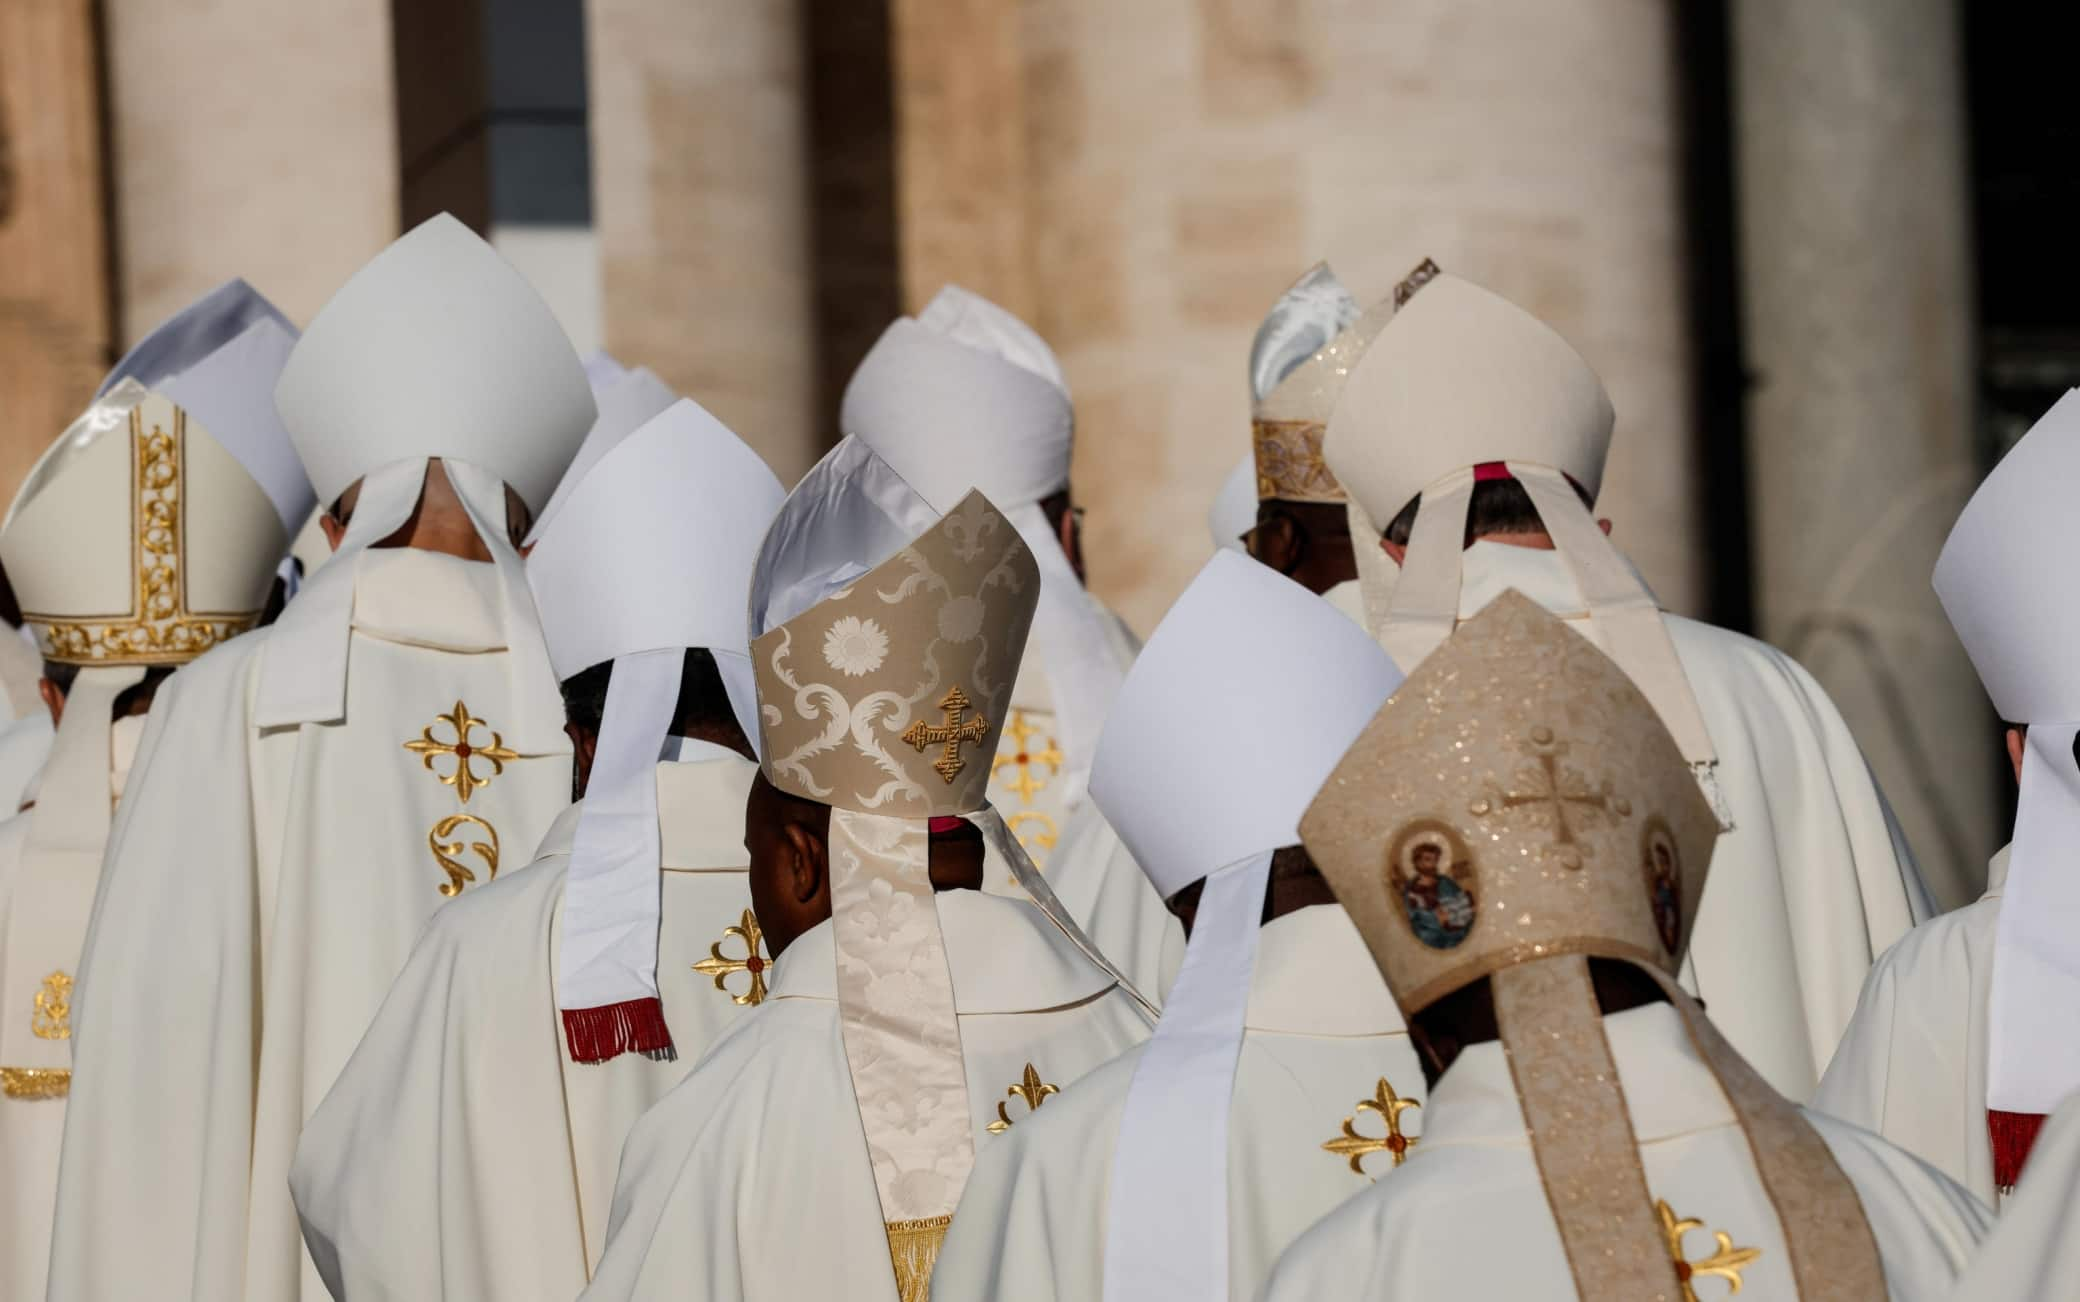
x=885 y=639
x=631 y=567
x=1462 y=385
x=1450 y=835
x=148 y=533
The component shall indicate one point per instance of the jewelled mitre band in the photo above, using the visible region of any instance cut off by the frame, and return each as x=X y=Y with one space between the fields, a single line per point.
x=888 y=696
x=160 y=625
x=1289 y=462
x=1516 y=808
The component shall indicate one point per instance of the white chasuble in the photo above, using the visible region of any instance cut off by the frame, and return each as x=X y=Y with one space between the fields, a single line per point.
x=42 y=926
x=752 y=1179
x=1468 y=1216
x=20 y=668
x=1326 y=1082
x=462 y=1154
x=1815 y=879
x=2032 y=1251
x=262 y=889
x=1912 y=1066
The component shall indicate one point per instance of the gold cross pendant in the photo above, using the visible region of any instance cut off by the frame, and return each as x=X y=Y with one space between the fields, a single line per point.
x=1726 y=1261
x=722 y=969
x=1357 y=1147
x=948 y=736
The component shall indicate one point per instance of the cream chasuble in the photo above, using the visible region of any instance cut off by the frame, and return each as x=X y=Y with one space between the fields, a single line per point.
x=1467 y=1216
x=262 y=889
x=2032 y=1251
x=20 y=667
x=1813 y=881
x=1912 y=1066
x=36 y=999
x=462 y=1154
x=1326 y=1080
x=751 y=1181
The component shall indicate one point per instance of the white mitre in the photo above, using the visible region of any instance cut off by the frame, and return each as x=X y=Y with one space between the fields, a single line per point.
x=648 y=554
x=143 y=537
x=1297 y=682
x=626 y=398
x=1462 y=384
x=966 y=396
x=2019 y=619
x=436 y=348
x=1234 y=510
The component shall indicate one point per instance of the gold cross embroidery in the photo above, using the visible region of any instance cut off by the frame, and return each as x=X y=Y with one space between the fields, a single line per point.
x=53 y=1017
x=1023 y=758
x=465 y=779
x=952 y=733
x=722 y=968
x=1035 y=831
x=1030 y=1088
x=1726 y=1261
x=1556 y=795
x=449 y=853
x=1358 y=1147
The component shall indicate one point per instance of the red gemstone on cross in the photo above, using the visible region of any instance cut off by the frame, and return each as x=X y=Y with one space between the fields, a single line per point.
x=1683 y=1271
x=461 y=750
x=754 y=965
x=1397 y=1143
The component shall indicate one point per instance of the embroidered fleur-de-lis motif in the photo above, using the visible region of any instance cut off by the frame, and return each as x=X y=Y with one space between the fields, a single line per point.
x=52 y=1019
x=466 y=750
x=449 y=853
x=1030 y=1088
x=1726 y=1261
x=948 y=736
x=1356 y=1147
x=753 y=964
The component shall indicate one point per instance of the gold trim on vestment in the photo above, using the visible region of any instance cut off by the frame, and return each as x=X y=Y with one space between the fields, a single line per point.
x=913 y=1249
x=1290 y=468
x=35 y=1083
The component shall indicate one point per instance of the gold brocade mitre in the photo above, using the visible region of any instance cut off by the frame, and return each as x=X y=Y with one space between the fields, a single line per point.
x=1518 y=798
x=887 y=697
x=138 y=539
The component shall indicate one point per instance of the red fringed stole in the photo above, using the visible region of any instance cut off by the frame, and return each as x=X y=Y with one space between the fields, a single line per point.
x=2013 y=1135
x=606 y=1032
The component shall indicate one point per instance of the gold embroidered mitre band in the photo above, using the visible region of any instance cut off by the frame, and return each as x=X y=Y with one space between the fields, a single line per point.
x=1518 y=808
x=1288 y=424
x=888 y=696
x=138 y=539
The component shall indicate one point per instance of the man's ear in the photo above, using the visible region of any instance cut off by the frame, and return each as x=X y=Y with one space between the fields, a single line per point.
x=2015 y=743
x=333 y=529
x=807 y=861
x=54 y=701
x=583 y=746
x=1394 y=549
x=1278 y=542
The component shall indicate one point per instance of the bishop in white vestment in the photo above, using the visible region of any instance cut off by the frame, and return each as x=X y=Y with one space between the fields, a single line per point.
x=1280 y=1080
x=122 y=587
x=469 y=1148
x=1588 y=1133
x=819 y=1148
x=307 y=796
x=1482 y=484
x=966 y=396
x=1964 y=1039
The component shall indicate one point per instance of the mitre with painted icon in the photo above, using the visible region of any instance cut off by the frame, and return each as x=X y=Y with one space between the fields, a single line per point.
x=1516 y=809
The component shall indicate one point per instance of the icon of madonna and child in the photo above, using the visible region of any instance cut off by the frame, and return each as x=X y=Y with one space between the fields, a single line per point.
x=1432 y=873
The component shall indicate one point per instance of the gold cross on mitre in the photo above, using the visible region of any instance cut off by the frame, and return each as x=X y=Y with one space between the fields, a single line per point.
x=1030 y=1088
x=1358 y=1147
x=1556 y=795
x=950 y=735
x=753 y=963
x=465 y=752
x=1726 y=1261
x=1022 y=758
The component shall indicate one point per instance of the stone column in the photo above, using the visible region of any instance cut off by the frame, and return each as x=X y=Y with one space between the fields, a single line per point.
x=700 y=194
x=1859 y=309
x=54 y=299
x=250 y=138
x=1186 y=159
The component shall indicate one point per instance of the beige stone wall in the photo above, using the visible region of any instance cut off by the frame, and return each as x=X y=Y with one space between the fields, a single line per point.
x=700 y=202
x=1859 y=305
x=1190 y=157
x=251 y=138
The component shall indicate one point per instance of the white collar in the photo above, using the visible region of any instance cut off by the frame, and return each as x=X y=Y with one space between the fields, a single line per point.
x=1669 y=1090
x=423 y=598
x=1004 y=954
x=700 y=813
x=1314 y=976
x=1997 y=873
x=1492 y=568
